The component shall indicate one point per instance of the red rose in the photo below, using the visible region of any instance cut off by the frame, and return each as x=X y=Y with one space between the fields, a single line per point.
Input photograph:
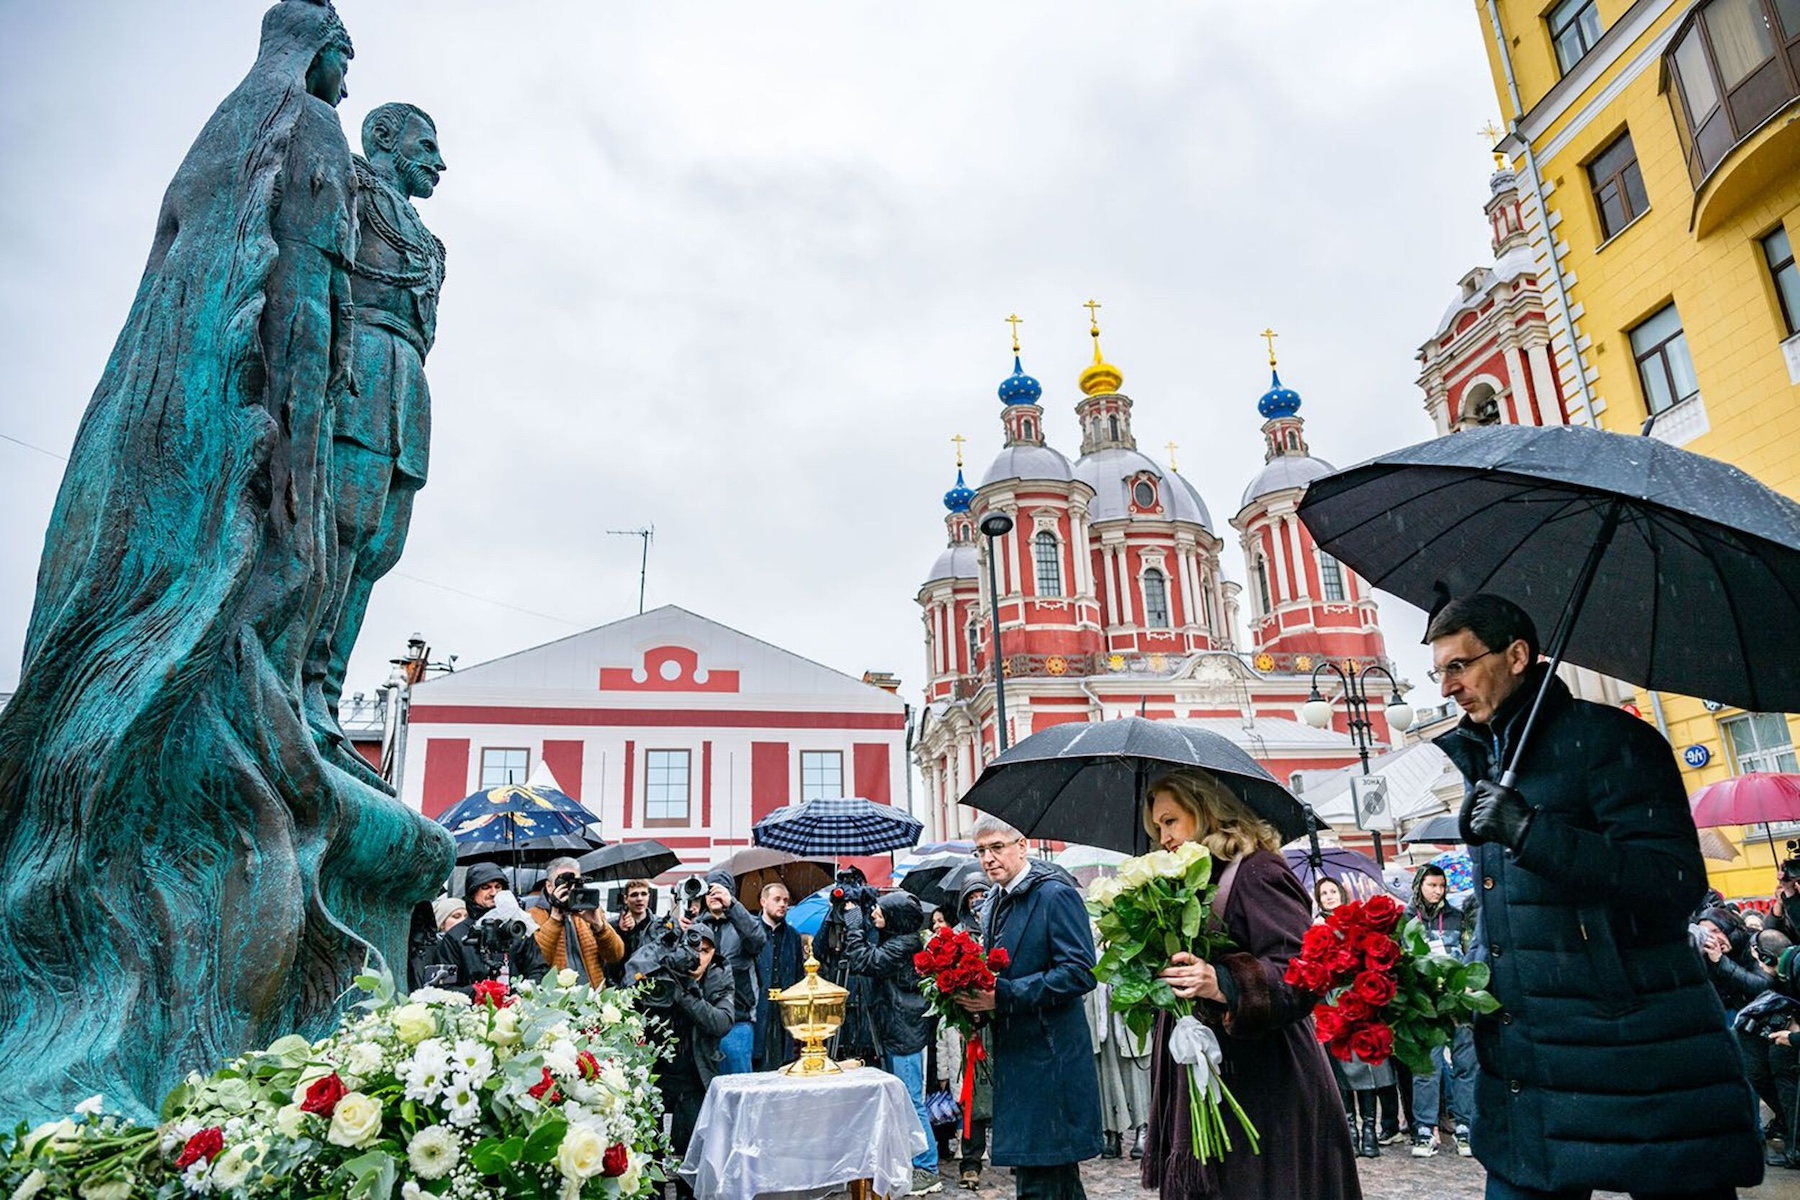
x=1381 y=912
x=1348 y=915
x=998 y=959
x=1353 y=1009
x=587 y=1065
x=922 y=963
x=1312 y=977
x=1374 y=1044
x=1374 y=988
x=323 y=1096
x=1319 y=942
x=1339 y=1048
x=206 y=1144
x=1326 y=1021
x=545 y=1089
x=491 y=991
x=944 y=986
x=614 y=1161
x=1345 y=960
x=1382 y=954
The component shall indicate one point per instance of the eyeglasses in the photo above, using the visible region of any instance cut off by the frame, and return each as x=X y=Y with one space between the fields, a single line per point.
x=993 y=849
x=1454 y=668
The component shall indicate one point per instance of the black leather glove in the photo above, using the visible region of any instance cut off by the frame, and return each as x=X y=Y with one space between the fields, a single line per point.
x=1497 y=814
x=1469 y=836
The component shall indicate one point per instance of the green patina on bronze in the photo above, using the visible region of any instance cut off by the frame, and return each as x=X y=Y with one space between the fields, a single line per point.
x=186 y=868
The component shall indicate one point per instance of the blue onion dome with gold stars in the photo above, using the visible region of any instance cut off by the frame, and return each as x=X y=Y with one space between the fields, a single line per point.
x=1279 y=400
x=1020 y=388
x=958 y=498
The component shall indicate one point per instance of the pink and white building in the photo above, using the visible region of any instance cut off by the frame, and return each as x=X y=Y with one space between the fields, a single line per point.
x=666 y=724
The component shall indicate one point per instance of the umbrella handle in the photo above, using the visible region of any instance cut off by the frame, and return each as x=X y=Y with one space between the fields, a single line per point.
x=1564 y=628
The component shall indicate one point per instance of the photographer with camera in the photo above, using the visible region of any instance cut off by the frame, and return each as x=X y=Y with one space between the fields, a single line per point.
x=1762 y=1030
x=570 y=932
x=856 y=1036
x=738 y=934
x=494 y=942
x=902 y=1018
x=630 y=924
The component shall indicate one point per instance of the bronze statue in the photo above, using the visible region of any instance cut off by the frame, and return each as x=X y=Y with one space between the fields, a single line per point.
x=381 y=442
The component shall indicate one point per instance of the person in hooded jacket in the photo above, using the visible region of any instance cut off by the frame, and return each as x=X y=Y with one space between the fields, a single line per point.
x=1447 y=931
x=1608 y=1064
x=460 y=949
x=739 y=935
x=700 y=1015
x=1731 y=968
x=902 y=1018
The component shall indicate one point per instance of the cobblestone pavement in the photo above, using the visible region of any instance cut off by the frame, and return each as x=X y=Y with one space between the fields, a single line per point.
x=1396 y=1175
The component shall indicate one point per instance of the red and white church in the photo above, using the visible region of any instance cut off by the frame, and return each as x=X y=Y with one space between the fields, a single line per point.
x=1113 y=601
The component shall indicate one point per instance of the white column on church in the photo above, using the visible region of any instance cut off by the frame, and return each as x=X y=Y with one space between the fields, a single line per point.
x=1184 y=567
x=1517 y=393
x=1301 y=576
x=1278 y=560
x=1125 y=581
x=1110 y=602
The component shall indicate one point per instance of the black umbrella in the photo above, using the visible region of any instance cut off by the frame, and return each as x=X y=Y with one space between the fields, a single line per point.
x=939 y=879
x=1642 y=560
x=1441 y=830
x=628 y=860
x=1084 y=782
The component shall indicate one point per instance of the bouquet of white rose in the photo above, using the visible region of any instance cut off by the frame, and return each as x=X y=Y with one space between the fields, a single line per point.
x=1156 y=907
x=541 y=1092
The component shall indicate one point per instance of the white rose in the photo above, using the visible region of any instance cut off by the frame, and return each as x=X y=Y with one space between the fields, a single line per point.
x=356 y=1121
x=504 y=1031
x=1191 y=852
x=1104 y=891
x=30 y=1186
x=291 y=1121
x=59 y=1134
x=1164 y=864
x=413 y=1023
x=1134 y=873
x=567 y=978
x=609 y=1014
x=581 y=1153
x=412 y=1191
x=230 y=1171
x=634 y=1173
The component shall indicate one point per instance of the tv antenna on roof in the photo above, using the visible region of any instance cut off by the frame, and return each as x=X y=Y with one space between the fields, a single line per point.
x=648 y=533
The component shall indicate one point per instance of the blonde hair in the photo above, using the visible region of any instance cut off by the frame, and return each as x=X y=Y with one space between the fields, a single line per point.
x=1227 y=827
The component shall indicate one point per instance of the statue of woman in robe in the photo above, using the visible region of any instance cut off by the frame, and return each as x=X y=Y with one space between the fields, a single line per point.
x=182 y=877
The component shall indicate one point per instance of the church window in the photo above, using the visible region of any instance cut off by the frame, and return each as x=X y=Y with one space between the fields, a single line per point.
x=666 y=774
x=1332 y=576
x=1262 y=583
x=1156 y=599
x=1483 y=406
x=1293 y=440
x=1048 y=553
x=974 y=642
x=1027 y=430
x=500 y=767
x=1112 y=423
x=821 y=774
x=1144 y=493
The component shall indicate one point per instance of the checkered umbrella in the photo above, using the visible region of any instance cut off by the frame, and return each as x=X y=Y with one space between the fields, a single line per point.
x=847 y=826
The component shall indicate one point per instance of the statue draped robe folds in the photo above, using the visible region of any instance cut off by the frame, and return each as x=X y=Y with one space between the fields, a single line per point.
x=182 y=875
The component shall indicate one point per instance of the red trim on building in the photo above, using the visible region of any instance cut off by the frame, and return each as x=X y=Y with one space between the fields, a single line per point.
x=685 y=677
x=446 y=773
x=768 y=778
x=630 y=779
x=660 y=718
x=869 y=767
x=706 y=785
x=564 y=760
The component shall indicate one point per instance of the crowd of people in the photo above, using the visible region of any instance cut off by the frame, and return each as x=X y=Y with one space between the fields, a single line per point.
x=1639 y=1019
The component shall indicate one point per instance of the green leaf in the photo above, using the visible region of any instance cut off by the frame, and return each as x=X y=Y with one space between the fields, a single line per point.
x=1163 y=996
x=372 y=1176
x=1139 y=1021
x=1191 y=917
x=487 y=1156
x=1129 y=993
x=1477 y=977
x=544 y=1141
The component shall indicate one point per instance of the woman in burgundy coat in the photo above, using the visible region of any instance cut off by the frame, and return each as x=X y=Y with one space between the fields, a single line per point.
x=1272 y=1062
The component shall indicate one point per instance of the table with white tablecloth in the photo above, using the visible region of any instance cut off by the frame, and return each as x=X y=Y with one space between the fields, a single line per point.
x=803 y=1135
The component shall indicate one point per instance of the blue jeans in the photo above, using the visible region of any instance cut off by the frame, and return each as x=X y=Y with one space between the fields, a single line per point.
x=1459 y=1075
x=909 y=1069
x=736 y=1046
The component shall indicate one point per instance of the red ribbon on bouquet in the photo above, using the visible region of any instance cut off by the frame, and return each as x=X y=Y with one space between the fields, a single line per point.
x=973 y=1052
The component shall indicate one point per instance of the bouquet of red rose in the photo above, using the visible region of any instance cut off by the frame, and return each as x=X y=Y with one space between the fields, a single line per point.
x=953 y=962
x=1386 y=994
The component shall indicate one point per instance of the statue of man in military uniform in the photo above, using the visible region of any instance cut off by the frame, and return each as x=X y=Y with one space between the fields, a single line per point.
x=383 y=432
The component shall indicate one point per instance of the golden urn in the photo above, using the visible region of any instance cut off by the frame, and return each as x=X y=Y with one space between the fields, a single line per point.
x=811 y=1011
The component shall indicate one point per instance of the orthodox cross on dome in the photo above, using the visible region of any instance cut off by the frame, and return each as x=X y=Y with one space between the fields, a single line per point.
x=1172 y=448
x=1492 y=134
x=1269 y=336
x=959 y=439
x=1093 y=307
x=1101 y=377
x=1015 y=320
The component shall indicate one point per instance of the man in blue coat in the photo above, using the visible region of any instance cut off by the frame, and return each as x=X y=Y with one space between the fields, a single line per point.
x=1046 y=1092
x=1609 y=1063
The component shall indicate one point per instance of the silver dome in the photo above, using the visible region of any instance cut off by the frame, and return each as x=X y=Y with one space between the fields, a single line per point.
x=1285 y=471
x=1028 y=462
x=1110 y=473
x=956 y=562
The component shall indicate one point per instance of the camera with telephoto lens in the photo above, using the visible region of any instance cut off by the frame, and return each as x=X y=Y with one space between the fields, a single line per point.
x=1790 y=867
x=668 y=956
x=691 y=890
x=849 y=888
x=579 y=898
x=500 y=931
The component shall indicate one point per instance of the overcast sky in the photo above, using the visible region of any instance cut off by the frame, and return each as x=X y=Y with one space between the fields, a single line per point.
x=741 y=271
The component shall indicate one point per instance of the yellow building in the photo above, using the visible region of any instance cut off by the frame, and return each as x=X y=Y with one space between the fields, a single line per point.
x=1658 y=151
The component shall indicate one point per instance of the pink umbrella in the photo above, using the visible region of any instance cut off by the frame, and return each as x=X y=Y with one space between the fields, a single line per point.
x=1758 y=798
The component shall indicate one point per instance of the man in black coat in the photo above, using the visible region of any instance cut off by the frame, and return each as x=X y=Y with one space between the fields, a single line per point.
x=781 y=963
x=699 y=1015
x=1046 y=1089
x=470 y=956
x=1609 y=1064
x=739 y=935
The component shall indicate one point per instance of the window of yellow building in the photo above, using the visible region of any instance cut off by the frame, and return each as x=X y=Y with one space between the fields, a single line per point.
x=1574 y=28
x=1780 y=255
x=1737 y=62
x=1664 y=367
x=1618 y=185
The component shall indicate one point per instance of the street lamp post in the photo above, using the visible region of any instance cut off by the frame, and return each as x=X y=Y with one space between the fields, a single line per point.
x=1317 y=713
x=996 y=526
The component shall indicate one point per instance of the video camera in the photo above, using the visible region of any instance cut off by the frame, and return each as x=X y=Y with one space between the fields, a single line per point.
x=501 y=930
x=1790 y=867
x=850 y=888
x=668 y=956
x=581 y=897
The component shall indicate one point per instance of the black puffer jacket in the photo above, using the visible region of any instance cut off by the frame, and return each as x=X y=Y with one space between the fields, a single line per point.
x=1609 y=1064
x=902 y=1020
